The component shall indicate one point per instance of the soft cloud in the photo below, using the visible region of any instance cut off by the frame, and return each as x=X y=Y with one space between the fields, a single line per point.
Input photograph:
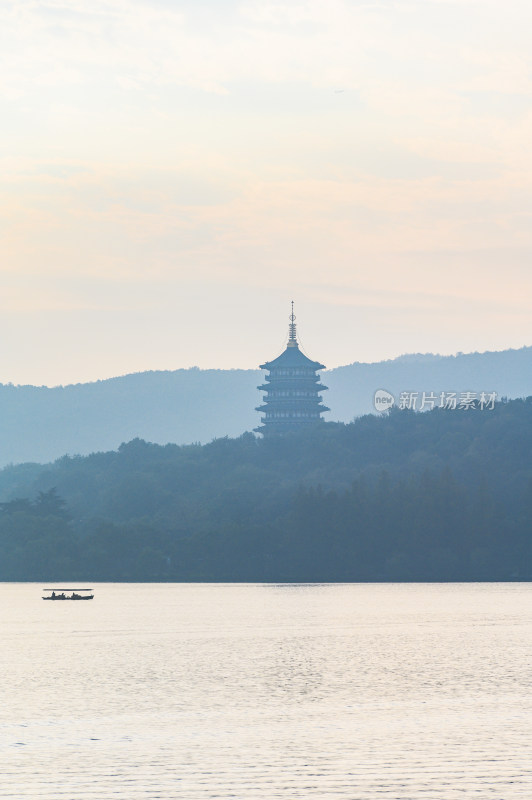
x=259 y=149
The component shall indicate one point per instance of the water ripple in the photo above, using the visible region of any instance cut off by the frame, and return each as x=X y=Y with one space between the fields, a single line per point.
x=350 y=692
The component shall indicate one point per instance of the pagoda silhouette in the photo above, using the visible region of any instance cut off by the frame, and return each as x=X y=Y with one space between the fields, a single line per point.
x=292 y=399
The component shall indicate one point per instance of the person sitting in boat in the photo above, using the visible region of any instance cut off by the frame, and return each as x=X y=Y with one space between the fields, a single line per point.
x=53 y=595
x=75 y=596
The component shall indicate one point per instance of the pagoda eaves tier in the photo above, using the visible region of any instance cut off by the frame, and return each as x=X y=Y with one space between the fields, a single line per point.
x=292 y=389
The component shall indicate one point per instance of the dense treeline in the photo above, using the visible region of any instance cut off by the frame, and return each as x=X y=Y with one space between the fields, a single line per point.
x=444 y=495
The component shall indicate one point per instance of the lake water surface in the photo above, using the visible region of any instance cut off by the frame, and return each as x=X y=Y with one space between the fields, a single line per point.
x=366 y=692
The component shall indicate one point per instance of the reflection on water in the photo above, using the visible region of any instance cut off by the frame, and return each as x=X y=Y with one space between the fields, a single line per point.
x=248 y=691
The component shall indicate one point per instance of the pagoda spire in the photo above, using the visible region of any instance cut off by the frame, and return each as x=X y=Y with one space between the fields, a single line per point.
x=292 y=340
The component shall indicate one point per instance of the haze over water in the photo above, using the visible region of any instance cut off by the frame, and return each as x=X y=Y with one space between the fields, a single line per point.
x=402 y=691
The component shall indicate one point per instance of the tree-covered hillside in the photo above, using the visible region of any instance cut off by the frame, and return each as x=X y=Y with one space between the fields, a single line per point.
x=443 y=495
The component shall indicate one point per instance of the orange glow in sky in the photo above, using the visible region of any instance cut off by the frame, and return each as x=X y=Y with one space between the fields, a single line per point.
x=173 y=174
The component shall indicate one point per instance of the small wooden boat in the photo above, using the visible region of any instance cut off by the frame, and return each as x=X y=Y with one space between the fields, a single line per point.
x=62 y=594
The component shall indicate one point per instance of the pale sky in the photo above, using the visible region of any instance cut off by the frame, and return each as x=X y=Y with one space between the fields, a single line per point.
x=173 y=173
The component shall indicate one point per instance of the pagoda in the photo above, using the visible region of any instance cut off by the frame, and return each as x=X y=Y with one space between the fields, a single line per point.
x=292 y=399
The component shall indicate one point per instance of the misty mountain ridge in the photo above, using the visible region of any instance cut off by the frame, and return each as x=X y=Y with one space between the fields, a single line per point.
x=40 y=424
